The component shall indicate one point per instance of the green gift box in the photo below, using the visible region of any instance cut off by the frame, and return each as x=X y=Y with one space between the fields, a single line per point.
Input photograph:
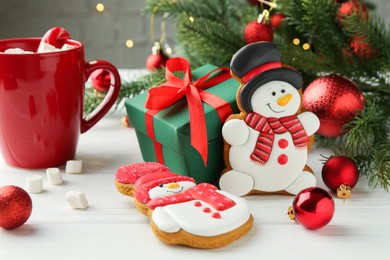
x=172 y=130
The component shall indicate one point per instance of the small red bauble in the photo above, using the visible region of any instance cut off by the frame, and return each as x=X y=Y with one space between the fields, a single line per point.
x=312 y=207
x=276 y=20
x=347 y=8
x=256 y=32
x=361 y=48
x=101 y=80
x=15 y=207
x=335 y=100
x=157 y=59
x=340 y=174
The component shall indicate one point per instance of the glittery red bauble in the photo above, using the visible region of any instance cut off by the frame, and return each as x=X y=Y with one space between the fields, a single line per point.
x=101 y=80
x=15 y=207
x=276 y=20
x=347 y=8
x=335 y=100
x=340 y=170
x=313 y=207
x=361 y=48
x=156 y=61
x=256 y=32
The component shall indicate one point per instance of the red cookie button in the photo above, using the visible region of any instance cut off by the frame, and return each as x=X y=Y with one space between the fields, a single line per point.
x=206 y=210
x=283 y=143
x=197 y=204
x=282 y=159
x=216 y=215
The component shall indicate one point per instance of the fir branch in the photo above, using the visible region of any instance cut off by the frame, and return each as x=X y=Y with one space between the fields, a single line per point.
x=93 y=98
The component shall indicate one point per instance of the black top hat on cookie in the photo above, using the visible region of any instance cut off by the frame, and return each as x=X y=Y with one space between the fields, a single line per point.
x=257 y=64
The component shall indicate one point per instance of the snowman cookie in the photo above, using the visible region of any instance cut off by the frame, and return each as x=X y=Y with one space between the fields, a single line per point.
x=267 y=143
x=184 y=213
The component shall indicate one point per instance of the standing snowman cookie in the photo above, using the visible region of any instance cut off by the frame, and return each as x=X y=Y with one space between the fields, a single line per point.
x=269 y=139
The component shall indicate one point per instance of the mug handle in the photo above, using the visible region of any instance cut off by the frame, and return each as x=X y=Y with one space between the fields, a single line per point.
x=110 y=98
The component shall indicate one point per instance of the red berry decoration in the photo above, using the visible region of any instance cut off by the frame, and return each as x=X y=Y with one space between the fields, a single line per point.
x=313 y=208
x=335 y=100
x=101 y=80
x=15 y=207
x=347 y=8
x=157 y=59
x=340 y=174
x=257 y=31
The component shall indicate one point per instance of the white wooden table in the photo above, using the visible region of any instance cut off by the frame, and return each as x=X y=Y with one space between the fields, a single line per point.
x=112 y=228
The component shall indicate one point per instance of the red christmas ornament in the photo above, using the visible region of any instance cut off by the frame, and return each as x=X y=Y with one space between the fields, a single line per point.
x=15 y=207
x=257 y=31
x=335 y=100
x=361 y=48
x=157 y=59
x=347 y=8
x=312 y=207
x=101 y=80
x=340 y=174
x=276 y=20
x=254 y=2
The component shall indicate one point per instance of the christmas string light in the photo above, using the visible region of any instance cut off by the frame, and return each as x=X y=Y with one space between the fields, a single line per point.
x=100 y=7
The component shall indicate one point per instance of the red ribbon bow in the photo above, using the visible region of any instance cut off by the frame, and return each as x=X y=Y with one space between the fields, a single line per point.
x=176 y=88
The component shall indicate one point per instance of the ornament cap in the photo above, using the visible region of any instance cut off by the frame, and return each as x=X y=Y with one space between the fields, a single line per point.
x=344 y=191
x=156 y=49
x=263 y=17
x=290 y=213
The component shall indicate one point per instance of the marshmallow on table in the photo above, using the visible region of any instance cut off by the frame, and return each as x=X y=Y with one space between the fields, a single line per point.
x=34 y=184
x=54 y=176
x=76 y=200
x=73 y=166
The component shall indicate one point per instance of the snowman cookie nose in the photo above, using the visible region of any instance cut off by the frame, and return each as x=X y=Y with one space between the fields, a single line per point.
x=173 y=185
x=284 y=100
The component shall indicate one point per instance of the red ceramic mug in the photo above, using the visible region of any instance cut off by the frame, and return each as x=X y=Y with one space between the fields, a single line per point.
x=42 y=100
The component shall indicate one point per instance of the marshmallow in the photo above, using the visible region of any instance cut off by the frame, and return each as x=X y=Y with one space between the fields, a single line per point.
x=45 y=47
x=34 y=184
x=14 y=51
x=66 y=47
x=54 y=176
x=73 y=166
x=76 y=200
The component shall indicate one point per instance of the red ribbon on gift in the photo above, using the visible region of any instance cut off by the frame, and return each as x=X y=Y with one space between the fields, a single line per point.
x=174 y=90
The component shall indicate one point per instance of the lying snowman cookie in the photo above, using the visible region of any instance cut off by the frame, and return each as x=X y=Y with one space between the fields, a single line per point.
x=184 y=213
x=268 y=141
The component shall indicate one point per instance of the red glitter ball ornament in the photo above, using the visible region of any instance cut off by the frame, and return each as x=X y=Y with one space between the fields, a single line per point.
x=313 y=208
x=347 y=8
x=335 y=100
x=15 y=207
x=157 y=59
x=340 y=174
x=361 y=48
x=101 y=80
x=256 y=32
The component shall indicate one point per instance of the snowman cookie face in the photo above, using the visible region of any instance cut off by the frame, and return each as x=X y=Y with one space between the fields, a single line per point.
x=168 y=189
x=276 y=99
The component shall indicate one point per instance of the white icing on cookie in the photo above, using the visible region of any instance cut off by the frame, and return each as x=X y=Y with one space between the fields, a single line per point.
x=200 y=218
x=286 y=161
x=169 y=189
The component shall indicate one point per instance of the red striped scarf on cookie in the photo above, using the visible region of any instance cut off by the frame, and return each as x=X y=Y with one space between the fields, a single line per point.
x=268 y=127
